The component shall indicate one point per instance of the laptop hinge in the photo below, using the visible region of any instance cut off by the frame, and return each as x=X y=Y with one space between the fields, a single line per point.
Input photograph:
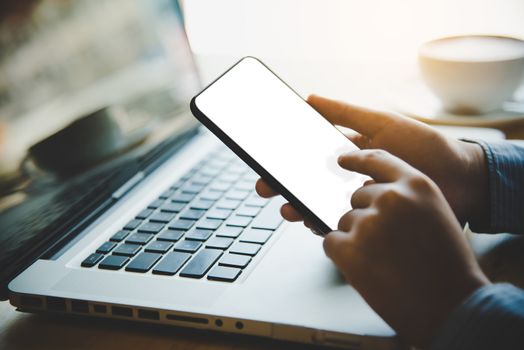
x=128 y=186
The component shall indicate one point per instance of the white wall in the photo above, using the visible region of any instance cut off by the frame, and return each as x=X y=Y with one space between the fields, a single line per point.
x=341 y=29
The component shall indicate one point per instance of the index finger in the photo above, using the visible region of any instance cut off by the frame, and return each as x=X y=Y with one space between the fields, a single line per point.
x=365 y=121
x=380 y=165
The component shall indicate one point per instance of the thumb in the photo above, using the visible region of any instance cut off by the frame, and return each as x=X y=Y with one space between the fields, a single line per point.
x=336 y=245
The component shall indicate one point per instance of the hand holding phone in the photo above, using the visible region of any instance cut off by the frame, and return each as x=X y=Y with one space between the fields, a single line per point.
x=282 y=138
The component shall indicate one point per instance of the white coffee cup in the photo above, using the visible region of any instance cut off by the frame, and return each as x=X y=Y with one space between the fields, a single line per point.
x=472 y=74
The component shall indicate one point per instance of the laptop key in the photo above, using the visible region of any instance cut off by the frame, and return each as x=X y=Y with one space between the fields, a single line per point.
x=218 y=163
x=187 y=246
x=192 y=214
x=254 y=235
x=201 y=180
x=120 y=235
x=172 y=207
x=170 y=235
x=131 y=225
x=106 y=247
x=167 y=193
x=159 y=247
x=248 y=211
x=244 y=185
x=229 y=231
x=92 y=260
x=269 y=218
x=199 y=234
x=228 y=177
x=202 y=204
x=239 y=168
x=127 y=249
x=245 y=248
x=143 y=262
x=156 y=204
x=224 y=274
x=183 y=197
x=113 y=262
x=193 y=188
x=228 y=203
x=240 y=221
x=235 y=260
x=210 y=171
x=220 y=214
x=182 y=224
x=139 y=238
x=210 y=195
x=144 y=214
x=171 y=263
x=220 y=186
x=209 y=224
x=219 y=243
x=238 y=195
x=151 y=227
x=177 y=185
x=162 y=217
x=256 y=201
x=201 y=263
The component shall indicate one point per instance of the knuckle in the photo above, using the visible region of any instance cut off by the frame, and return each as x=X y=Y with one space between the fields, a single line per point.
x=376 y=154
x=332 y=244
x=356 y=198
x=344 y=223
x=390 y=197
x=420 y=183
x=367 y=225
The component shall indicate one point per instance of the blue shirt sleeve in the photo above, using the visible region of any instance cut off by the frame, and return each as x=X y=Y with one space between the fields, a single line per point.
x=491 y=318
x=505 y=161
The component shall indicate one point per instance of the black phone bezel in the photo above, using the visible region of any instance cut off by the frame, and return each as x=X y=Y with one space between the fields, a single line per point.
x=320 y=226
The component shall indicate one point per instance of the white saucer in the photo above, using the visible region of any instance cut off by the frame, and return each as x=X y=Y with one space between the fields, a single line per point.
x=414 y=99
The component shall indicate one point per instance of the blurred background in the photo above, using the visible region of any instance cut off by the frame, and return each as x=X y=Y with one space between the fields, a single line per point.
x=63 y=59
x=322 y=45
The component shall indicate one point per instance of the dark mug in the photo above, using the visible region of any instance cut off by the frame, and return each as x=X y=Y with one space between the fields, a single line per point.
x=80 y=145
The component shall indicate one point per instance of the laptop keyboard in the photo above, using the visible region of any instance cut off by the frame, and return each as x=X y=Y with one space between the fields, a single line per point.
x=209 y=224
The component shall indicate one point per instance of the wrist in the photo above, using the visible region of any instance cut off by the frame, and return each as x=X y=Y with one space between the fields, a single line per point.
x=458 y=296
x=476 y=184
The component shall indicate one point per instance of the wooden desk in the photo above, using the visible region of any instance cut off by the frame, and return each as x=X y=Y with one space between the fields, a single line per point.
x=501 y=256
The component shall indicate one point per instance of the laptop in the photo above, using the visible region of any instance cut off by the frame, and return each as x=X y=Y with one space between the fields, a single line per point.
x=177 y=235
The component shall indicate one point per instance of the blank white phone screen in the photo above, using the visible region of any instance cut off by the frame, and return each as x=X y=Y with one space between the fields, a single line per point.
x=285 y=135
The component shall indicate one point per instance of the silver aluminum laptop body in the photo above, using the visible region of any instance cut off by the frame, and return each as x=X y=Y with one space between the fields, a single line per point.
x=289 y=290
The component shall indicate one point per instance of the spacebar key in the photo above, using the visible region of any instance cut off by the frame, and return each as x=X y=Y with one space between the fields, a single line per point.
x=269 y=218
x=201 y=263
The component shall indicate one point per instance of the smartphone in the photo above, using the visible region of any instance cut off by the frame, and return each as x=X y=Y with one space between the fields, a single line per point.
x=281 y=137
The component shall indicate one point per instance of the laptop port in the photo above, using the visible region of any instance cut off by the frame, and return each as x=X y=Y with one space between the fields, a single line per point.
x=190 y=319
x=100 y=309
x=80 y=306
x=148 y=314
x=239 y=325
x=122 y=311
x=56 y=304
x=31 y=302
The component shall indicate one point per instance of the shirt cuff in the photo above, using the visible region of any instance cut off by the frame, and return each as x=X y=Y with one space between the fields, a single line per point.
x=505 y=162
x=490 y=318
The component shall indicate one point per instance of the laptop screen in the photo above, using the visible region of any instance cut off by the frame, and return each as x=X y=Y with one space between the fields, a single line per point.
x=130 y=54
